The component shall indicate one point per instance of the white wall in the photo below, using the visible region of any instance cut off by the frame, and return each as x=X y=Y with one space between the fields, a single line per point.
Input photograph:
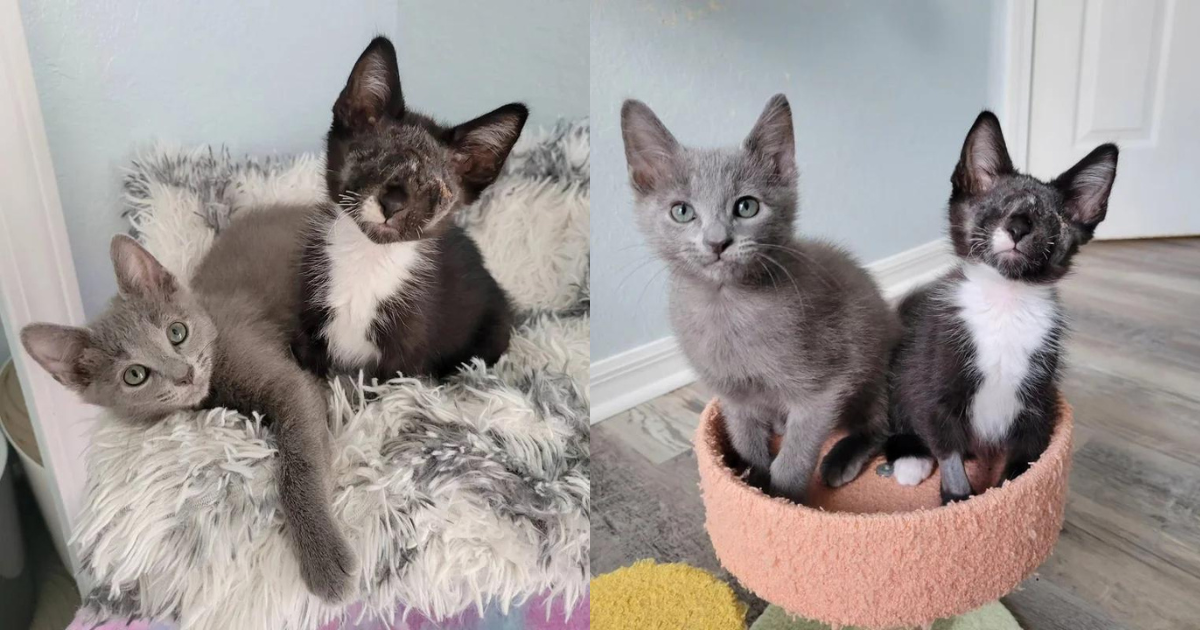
x=261 y=77
x=882 y=94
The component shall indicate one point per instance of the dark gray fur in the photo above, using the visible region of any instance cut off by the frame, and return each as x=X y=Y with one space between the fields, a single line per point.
x=240 y=310
x=789 y=332
x=402 y=177
x=934 y=374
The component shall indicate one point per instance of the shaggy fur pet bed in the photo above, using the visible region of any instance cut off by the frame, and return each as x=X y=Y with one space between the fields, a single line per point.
x=876 y=554
x=469 y=495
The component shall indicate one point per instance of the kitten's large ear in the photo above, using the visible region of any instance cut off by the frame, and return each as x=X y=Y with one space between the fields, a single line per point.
x=984 y=157
x=773 y=137
x=650 y=150
x=138 y=272
x=1086 y=186
x=373 y=89
x=60 y=350
x=481 y=145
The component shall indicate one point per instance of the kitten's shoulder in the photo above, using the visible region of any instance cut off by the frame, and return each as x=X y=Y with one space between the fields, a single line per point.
x=837 y=263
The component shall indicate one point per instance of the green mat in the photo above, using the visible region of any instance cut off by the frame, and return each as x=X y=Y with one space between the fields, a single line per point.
x=993 y=616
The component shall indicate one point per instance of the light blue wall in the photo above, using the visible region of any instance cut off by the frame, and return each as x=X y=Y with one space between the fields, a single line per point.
x=882 y=93
x=261 y=77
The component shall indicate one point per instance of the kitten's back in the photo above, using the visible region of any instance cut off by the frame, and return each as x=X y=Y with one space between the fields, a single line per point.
x=255 y=262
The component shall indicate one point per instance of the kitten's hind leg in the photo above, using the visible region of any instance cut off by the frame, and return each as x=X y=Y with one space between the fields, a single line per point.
x=865 y=415
x=495 y=334
x=846 y=459
x=749 y=431
x=809 y=425
x=1029 y=438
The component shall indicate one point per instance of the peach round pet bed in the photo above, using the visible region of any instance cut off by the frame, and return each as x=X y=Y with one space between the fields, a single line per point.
x=877 y=554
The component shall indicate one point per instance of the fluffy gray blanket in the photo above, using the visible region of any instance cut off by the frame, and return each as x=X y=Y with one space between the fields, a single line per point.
x=470 y=493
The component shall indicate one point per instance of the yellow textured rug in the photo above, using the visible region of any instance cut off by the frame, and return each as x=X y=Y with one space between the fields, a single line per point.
x=652 y=596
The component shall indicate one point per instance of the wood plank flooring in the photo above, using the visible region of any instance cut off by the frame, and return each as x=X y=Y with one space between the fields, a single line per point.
x=1129 y=553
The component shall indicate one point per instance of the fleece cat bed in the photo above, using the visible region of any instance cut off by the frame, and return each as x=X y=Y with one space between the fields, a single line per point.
x=876 y=554
x=469 y=495
x=651 y=596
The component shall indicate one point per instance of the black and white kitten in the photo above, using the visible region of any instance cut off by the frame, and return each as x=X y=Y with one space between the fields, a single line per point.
x=391 y=284
x=976 y=370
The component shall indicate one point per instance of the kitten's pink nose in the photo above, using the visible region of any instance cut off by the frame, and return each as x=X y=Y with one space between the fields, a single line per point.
x=188 y=377
x=719 y=247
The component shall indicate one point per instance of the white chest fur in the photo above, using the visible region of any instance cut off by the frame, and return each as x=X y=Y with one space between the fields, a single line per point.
x=362 y=274
x=1008 y=322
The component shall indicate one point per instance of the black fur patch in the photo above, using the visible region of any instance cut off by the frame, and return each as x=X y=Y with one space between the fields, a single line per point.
x=419 y=173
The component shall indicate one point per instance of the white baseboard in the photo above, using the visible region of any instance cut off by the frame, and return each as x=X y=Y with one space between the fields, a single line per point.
x=635 y=376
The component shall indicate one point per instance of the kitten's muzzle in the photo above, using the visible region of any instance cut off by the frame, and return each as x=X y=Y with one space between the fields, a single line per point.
x=1018 y=226
x=188 y=377
x=718 y=246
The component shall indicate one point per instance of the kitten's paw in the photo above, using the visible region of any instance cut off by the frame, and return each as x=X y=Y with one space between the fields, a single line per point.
x=948 y=498
x=836 y=474
x=911 y=471
x=330 y=571
x=756 y=478
x=846 y=459
x=796 y=495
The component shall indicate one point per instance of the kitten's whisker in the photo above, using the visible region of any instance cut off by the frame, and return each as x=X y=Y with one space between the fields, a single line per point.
x=637 y=268
x=818 y=270
x=649 y=282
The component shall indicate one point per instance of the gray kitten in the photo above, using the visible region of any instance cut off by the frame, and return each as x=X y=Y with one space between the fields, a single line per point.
x=789 y=332
x=161 y=348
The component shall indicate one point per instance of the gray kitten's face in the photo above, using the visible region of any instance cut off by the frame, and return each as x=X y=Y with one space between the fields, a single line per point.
x=398 y=174
x=148 y=355
x=1026 y=229
x=714 y=214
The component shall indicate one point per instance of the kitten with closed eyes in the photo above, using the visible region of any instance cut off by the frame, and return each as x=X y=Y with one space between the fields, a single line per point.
x=976 y=371
x=163 y=347
x=391 y=284
x=789 y=332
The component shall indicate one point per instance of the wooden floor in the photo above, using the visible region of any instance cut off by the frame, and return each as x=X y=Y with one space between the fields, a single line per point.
x=1129 y=553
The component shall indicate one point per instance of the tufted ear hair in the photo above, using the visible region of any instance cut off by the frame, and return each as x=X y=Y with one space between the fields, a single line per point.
x=139 y=274
x=60 y=350
x=373 y=89
x=984 y=158
x=1087 y=185
x=482 y=145
x=773 y=137
x=650 y=150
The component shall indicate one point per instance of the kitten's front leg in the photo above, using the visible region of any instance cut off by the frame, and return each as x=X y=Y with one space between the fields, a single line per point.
x=955 y=484
x=750 y=434
x=327 y=563
x=1029 y=437
x=808 y=426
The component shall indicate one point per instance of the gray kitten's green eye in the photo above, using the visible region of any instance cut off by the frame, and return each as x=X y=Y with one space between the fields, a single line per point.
x=135 y=375
x=682 y=213
x=746 y=207
x=177 y=332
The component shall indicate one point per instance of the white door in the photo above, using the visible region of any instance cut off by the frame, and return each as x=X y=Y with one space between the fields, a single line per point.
x=1123 y=71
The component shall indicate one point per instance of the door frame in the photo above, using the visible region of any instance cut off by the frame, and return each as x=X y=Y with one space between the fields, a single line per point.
x=1012 y=70
x=37 y=273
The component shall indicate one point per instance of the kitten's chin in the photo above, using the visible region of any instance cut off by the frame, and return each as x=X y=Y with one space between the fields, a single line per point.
x=381 y=233
x=721 y=271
